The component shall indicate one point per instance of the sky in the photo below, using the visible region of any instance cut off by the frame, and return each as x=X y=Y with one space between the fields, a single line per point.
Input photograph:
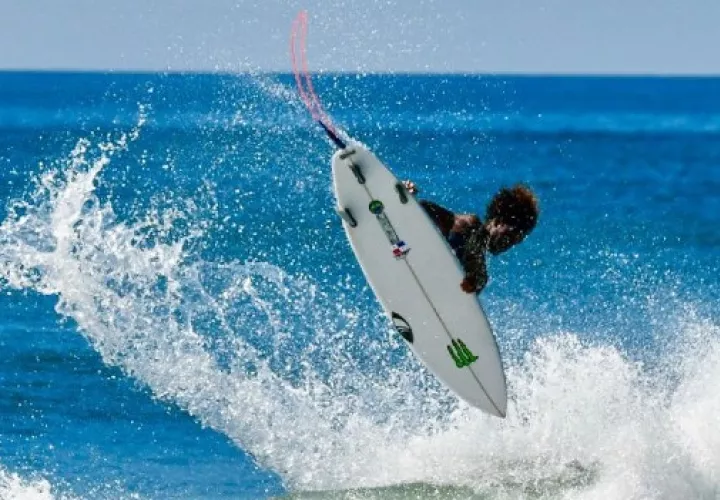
x=476 y=36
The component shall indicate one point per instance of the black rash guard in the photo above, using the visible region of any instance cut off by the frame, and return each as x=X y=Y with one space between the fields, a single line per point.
x=469 y=245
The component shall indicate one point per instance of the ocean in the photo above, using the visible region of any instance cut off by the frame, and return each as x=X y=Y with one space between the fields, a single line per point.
x=183 y=318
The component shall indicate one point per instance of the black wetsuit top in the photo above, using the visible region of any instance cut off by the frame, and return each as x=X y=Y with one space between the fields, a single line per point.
x=469 y=245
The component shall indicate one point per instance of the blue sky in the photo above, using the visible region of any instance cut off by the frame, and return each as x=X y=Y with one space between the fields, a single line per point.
x=517 y=36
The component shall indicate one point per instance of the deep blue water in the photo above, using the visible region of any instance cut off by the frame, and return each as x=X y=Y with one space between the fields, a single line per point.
x=183 y=317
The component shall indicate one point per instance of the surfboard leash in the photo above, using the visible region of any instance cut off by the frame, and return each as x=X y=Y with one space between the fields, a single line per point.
x=298 y=34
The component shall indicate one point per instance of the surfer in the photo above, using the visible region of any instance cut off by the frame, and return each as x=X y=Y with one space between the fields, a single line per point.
x=510 y=216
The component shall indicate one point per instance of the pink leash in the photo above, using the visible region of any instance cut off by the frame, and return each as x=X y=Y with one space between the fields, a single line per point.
x=304 y=82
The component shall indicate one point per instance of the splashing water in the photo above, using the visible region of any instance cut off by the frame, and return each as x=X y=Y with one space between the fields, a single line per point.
x=272 y=360
x=144 y=307
x=15 y=487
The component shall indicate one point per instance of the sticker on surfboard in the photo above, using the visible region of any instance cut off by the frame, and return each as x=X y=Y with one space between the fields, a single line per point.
x=402 y=327
x=460 y=353
x=399 y=248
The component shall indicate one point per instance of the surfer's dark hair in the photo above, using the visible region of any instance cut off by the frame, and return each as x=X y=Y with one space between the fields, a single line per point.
x=516 y=207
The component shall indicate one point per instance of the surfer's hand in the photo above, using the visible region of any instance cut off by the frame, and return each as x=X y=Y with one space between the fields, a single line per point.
x=469 y=284
x=410 y=187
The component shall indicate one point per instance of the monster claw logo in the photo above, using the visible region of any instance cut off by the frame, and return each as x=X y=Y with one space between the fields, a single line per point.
x=461 y=354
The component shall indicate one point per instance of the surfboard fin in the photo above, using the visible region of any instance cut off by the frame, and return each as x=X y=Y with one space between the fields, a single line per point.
x=346 y=215
x=347 y=153
x=357 y=173
x=402 y=192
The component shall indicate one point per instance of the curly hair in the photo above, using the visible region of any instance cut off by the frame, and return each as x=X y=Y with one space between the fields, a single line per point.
x=517 y=207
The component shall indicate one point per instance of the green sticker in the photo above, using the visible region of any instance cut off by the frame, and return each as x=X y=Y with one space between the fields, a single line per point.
x=376 y=207
x=460 y=353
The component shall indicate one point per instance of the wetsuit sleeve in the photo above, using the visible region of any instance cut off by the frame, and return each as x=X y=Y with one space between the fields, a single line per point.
x=474 y=259
x=444 y=219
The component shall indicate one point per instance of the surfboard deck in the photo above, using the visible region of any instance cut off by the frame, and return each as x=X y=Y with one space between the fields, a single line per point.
x=416 y=277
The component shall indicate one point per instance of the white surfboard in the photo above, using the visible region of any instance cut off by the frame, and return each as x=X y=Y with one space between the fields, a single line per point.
x=416 y=278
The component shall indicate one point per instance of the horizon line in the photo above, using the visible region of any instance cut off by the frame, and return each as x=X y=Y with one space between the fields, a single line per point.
x=218 y=72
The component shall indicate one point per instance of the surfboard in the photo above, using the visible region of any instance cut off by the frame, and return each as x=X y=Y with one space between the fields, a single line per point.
x=416 y=277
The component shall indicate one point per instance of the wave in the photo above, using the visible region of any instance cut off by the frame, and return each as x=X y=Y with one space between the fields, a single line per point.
x=317 y=388
x=15 y=487
x=33 y=486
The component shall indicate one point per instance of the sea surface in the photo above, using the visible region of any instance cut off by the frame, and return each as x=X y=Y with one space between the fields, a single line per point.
x=183 y=318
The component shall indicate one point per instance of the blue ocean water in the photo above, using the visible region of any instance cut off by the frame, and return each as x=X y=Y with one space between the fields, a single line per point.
x=183 y=317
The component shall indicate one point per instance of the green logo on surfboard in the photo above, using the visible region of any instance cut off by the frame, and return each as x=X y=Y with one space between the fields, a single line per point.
x=376 y=207
x=460 y=353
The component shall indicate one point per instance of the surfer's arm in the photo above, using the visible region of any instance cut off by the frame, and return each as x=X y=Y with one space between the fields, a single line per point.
x=443 y=218
x=474 y=263
x=475 y=274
